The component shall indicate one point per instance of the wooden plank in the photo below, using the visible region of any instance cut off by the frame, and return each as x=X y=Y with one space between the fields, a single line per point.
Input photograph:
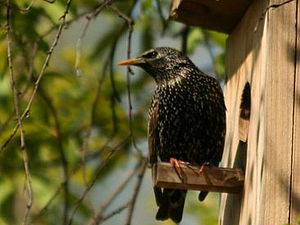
x=245 y=63
x=260 y=51
x=279 y=95
x=214 y=15
x=295 y=188
x=212 y=179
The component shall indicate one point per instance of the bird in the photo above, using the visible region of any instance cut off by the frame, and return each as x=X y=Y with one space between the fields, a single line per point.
x=187 y=121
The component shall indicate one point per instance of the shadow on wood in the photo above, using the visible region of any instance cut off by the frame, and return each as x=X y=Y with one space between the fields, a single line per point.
x=212 y=179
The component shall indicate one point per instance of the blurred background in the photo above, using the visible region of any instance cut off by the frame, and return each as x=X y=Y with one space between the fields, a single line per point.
x=73 y=125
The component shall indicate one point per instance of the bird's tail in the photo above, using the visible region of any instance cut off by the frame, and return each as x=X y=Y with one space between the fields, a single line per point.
x=171 y=204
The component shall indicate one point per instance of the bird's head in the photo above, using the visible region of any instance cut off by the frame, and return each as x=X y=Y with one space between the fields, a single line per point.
x=162 y=63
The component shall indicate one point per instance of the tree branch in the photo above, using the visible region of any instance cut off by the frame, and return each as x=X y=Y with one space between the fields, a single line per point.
x=130 y=23
x=28 y=187
x=113 y=213
x=89 y=17
x=26 y=112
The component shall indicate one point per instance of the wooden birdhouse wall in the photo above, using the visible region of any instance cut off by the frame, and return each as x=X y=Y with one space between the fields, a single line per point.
x=262 y=51
x=262 y=94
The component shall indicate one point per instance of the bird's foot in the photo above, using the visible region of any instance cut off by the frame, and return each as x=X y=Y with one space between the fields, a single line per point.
x=202 y=168
x=177 y=165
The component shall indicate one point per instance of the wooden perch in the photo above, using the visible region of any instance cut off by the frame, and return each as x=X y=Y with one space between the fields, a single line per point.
x=212 y=179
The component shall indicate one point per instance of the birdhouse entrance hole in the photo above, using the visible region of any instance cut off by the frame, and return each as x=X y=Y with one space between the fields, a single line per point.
x=245 y=110
x=244 y=120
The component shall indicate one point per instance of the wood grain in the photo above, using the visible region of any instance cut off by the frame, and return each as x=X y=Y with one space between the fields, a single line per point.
x=279 y=95
x=245 y=61
x=261 y=51
x=212 y=179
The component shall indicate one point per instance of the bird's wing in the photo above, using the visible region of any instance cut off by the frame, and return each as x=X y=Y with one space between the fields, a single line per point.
x=153 y=145
x=153 y=138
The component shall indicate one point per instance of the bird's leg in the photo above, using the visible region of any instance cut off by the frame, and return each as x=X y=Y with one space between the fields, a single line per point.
x=176 y=164
x=202 y=168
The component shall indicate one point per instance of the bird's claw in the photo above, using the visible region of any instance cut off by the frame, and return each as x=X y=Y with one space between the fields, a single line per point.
x=177 y=165
x=202 y=168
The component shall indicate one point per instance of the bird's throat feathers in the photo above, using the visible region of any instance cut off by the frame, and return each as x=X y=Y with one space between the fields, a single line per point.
x=172 y=81
x=171 y=75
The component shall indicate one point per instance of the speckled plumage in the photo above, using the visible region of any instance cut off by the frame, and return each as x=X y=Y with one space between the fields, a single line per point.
x=187 y=119
x=189 y=114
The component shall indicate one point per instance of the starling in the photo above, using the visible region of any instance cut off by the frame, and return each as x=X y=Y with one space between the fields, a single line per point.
x=187 y=119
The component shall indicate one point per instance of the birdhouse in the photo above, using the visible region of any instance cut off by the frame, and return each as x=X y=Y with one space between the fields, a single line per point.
x=262 y=95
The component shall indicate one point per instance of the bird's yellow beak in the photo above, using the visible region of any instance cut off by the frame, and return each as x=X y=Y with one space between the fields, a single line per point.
x=129 y=61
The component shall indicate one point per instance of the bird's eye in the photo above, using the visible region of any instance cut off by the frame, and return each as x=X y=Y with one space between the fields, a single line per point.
x=150 y=55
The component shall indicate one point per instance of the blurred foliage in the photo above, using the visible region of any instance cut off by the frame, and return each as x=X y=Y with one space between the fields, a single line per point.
x=77 y=119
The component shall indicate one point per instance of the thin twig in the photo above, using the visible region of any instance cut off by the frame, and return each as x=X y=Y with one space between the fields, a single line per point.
x=93 y=12
x=126 y=18
x=47 y=205
x=78 y=48
x=28 y=187
x=113 y=213
x=78 y=166
x=161 y=16
x=108 y=64
x=99 y=9
x=93 y=180
x=130 y=24
x=29 y=61
x=122 y=183
x=26 y=10
x=136 y=191
x=50 y=1
x=7 y=141
x=26 y=112
x=67 y=23
x=114 y=95
x=89 y=17
x=94 y=107
x=46 y=63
